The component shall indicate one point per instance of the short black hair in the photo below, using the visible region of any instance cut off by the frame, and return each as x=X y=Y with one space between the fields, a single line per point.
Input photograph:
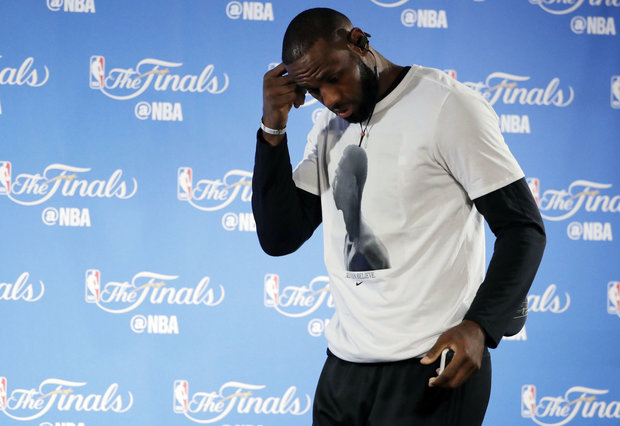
x=308 y=27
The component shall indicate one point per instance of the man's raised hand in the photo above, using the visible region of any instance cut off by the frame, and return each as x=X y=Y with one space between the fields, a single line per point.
x=280 y=94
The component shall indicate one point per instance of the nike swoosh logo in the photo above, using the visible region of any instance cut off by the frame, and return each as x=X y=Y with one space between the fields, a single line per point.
x=358 y=283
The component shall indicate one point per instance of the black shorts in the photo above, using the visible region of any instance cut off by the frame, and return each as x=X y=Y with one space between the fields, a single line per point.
x=397 y=394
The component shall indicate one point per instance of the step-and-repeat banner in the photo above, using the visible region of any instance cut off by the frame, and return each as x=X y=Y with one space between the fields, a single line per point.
x=133 y=290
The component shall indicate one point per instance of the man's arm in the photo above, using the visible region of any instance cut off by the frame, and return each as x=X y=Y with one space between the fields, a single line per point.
x=285 y=215
x=513 y=216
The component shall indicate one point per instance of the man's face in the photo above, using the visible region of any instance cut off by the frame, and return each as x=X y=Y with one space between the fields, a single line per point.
x=337 y=78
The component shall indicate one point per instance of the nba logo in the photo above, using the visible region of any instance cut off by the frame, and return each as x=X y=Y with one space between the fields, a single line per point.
x=451 y=73
x=534 y=185
x=528 y=401
x=93 y=285
x=97 y=71
x=5 y=177
x=179 y=403
x=184 y=183
x=2 y=393
x=272 y=289
x=613 y=298
x=615 y=91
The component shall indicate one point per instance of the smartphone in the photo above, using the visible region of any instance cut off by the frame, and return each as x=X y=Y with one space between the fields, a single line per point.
x=446 y=357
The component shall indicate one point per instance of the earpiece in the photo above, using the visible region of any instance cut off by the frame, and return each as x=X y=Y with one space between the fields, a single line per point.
x=361 y=42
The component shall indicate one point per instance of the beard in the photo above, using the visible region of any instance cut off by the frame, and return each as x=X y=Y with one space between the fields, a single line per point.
x=369 y=83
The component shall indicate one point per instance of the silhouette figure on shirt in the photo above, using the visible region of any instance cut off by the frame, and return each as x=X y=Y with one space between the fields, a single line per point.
x=363 y=251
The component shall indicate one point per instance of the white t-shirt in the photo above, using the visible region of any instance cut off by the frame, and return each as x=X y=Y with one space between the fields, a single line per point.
x=404 y=244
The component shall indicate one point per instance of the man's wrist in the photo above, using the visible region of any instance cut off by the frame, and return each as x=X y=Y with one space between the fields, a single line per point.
x=476 y=325
x=271 y=140
x=272 y=131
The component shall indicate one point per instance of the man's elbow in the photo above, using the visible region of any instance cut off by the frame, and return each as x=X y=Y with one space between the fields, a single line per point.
x=275 y=246
x=542 y=234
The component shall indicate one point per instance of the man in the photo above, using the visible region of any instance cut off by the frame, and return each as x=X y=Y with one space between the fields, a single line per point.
x=399 y=169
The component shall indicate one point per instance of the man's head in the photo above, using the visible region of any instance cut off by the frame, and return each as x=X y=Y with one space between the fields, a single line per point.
x=310 y=26
x=328 y=57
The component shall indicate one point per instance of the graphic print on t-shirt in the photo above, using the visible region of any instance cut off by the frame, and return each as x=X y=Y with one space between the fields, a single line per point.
x=363 y=251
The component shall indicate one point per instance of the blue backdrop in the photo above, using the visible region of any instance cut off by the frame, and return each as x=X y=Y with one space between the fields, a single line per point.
x=132 y=287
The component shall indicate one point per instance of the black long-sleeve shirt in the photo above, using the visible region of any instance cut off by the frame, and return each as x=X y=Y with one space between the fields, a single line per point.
x=286 y=217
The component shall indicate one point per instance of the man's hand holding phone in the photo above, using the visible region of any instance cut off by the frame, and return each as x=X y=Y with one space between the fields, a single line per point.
x=467 y=342
x=280 y=94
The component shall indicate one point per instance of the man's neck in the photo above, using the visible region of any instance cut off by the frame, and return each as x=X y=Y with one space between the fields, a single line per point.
x=394 y=81
x=389 y=75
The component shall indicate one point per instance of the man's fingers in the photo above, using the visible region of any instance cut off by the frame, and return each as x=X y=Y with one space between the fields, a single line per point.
x=434 y=352
x=280 y=96
x=279 y=79
x=448 y=373
x=280 y=88
x=277 y=76
x=300 y=97
x=459 y=377
x=278 y=70
x=280 y=93
x=289 y=98
x=455 y=374
x=467 y=342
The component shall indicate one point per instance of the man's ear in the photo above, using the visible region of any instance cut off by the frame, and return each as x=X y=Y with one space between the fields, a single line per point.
x=359 y=39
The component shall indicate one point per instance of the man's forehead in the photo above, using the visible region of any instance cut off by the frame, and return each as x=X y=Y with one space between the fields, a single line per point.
x=322 y=56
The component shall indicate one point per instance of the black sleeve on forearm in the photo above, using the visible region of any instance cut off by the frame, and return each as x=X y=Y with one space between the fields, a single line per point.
x=513 y=216
x=285 y=215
